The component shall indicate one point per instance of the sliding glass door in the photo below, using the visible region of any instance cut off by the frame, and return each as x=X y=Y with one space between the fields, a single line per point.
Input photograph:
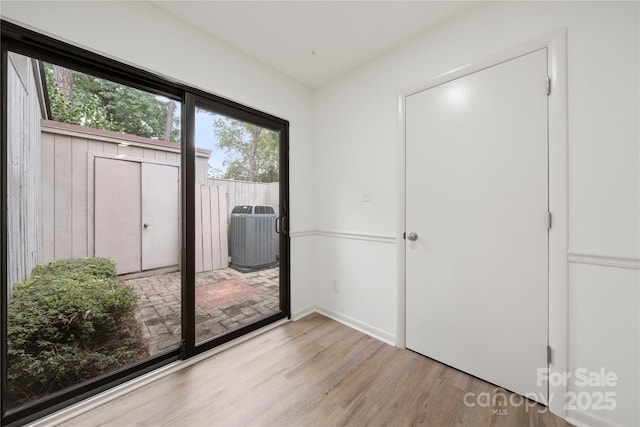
x=143 y=221
x=240 y=238
x=92 y=227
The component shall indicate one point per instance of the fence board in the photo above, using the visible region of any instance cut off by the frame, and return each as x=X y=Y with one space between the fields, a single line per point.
x=215 y=228
x=211 y=229
x=212 y=250
x=202 y=168
x=206 y=229
x=248 y=193
x=198 y=227
x=223 y=227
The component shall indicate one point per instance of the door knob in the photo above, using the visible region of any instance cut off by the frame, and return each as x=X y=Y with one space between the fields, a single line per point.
x=412 y=236
x=146 y=225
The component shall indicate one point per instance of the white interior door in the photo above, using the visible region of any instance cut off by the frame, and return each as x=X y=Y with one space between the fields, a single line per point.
x=117 y=213
x=477 y=184
x=160 y=215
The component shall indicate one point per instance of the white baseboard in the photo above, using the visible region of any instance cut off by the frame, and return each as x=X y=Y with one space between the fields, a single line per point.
x=304 y=312
x=365 y=328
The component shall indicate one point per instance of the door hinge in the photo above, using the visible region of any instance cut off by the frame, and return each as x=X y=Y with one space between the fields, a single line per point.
x=548 y=354
x=549 y=220
x=548 y=86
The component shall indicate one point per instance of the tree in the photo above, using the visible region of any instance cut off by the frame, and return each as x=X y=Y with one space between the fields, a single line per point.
x=251 y=151
x=94 y=102
x=169 y=120
x=89 y=112
x=63 y=80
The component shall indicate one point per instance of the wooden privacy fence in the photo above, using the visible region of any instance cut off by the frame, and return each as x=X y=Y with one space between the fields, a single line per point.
x=212 y=249
x=248 y=193
x=214 y=203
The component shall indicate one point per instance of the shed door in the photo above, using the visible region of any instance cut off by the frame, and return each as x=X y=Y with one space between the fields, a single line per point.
x=477 y=185
x=136 y=209
x=117 y=213
x=160 y=216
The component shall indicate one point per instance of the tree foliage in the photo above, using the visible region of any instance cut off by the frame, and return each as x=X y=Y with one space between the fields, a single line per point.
x=90 y=112
x=103 y=104
x=252 y=152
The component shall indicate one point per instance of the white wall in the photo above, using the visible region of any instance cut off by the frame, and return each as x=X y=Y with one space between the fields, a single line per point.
x=354 y=152
x=145 y=36
x=355 y=149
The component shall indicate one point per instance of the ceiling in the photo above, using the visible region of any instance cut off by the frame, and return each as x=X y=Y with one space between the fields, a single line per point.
x=313 y=41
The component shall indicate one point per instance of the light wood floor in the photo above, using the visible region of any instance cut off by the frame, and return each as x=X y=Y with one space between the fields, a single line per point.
x=315 y=372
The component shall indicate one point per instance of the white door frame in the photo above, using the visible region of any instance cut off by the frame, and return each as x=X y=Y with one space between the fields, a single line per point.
x=556 y=44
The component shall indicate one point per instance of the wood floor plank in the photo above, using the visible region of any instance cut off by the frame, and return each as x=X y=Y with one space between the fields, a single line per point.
x=314 y=372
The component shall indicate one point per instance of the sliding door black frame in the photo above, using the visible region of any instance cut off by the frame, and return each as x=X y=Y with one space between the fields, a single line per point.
x=29 y=43
x=280 y=126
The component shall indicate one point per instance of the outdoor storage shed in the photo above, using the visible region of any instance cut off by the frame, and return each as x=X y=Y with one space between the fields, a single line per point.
x=253 y=237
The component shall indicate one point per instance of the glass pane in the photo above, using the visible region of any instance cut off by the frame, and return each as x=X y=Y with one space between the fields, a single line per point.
x=237 y=193
x=93 y=221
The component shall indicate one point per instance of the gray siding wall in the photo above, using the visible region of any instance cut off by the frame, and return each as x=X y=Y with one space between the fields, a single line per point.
x=68 y=153
x=24 y=182
x=67 y=182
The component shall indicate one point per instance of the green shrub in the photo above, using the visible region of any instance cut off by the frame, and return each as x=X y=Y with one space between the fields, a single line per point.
x=70 y=322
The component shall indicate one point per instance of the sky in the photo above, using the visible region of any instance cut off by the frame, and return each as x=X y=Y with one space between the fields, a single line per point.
x=206 y=138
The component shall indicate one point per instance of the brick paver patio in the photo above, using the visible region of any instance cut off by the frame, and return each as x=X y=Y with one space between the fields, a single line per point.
x=225 y=299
